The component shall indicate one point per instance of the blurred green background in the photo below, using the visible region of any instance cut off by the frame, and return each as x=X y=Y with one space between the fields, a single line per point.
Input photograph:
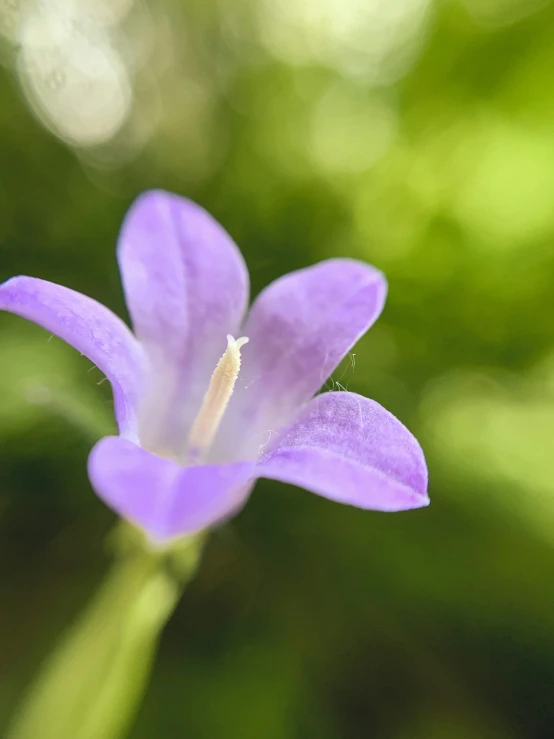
x=415 y=134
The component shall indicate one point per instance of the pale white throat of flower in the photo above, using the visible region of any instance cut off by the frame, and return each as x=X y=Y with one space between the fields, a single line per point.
x=216 y=399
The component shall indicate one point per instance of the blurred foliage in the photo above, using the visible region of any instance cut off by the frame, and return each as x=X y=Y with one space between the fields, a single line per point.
x=416 y=135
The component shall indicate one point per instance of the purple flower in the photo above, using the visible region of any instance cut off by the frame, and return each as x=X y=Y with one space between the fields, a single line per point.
x=194 y=433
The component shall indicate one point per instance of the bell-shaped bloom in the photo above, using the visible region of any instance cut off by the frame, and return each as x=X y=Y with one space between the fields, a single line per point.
x=202 y=415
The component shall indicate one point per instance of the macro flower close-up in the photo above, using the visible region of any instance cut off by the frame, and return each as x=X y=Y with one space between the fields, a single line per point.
x=209 y=397
x=275 y=276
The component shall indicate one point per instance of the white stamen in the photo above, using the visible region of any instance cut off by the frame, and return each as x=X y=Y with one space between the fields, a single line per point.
x=217 y=397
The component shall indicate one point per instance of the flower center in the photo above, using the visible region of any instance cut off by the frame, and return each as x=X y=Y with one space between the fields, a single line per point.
x=215 y=400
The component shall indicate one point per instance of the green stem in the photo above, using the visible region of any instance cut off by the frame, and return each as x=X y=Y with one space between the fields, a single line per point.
x=91 y=686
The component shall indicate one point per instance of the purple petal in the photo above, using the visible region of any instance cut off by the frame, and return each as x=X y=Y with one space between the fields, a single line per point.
x=300 y=328
x=186 y=287
x=90 y=328
x=350 y=449
x=161 y=497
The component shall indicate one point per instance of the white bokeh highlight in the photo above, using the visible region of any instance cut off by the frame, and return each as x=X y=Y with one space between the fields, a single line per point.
x=375 y=40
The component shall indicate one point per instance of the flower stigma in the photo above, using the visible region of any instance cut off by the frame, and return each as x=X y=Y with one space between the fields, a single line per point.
x=216 y=399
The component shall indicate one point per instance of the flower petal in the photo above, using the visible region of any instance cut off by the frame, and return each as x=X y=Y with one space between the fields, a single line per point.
x=90 y=328
x=351 y=450
x=161 y=497
x=300 y=328
x=186 y=287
